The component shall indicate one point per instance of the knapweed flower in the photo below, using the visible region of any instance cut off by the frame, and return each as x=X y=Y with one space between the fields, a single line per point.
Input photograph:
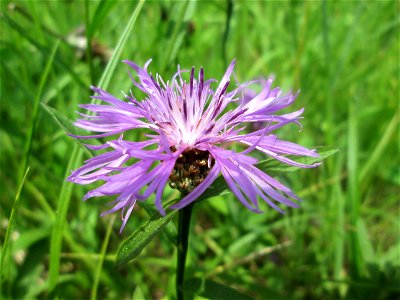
x=189 y=126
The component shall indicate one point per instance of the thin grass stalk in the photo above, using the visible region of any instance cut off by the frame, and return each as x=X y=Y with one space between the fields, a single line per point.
x=353 y=193
x=4 y=263
x=35 y=111
x=102 y=257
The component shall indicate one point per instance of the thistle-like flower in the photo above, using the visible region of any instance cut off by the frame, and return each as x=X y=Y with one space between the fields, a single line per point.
x=189 y=126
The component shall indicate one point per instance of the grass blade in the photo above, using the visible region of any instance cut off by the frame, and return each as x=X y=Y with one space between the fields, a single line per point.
x=109 y=71
x=36 y=102
x=228 y=24
x=102 y=256
x=102 y=10
x=67 y=125
x=3 y=266
x=375 y=157
x=183 y=12
x=61 y=214
x=353 y=194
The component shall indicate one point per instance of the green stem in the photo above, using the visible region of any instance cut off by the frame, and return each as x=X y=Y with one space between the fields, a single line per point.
x=183 y=238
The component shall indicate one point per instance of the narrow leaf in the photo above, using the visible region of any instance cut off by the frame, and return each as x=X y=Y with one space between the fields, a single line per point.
x=170 y=229
x=102 y=10
x=182 y=14
x=109 y=71
x=67 y=125
x=134 y=244
x=4 y=259
x=61 y=215
x=102 y=256
x=368 y=168
x=366 y=247
x=35 y=112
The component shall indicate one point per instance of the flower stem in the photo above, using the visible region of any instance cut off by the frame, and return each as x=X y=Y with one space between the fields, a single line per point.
x=183 y=238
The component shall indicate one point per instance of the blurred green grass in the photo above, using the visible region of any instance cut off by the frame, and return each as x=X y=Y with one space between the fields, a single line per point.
x=343 y=56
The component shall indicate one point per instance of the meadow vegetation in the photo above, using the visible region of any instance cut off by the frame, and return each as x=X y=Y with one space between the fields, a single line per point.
x=343 y=56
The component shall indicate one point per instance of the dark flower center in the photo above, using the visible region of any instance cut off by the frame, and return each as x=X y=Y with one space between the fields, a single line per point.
x=190 y=169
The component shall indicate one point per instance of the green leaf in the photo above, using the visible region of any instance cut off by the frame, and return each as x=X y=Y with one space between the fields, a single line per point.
x=170 y=229
x=35 y=113
x=368 y=169
x=212 y=290
x=183 y=10
x=102 y=10
x=60 y=220
x=138 y=294
x=133 y=245
x=367 y=250
x=102 y=256
x=67 y=125
x=4 y=263
x=109 y=71
x=62 y=120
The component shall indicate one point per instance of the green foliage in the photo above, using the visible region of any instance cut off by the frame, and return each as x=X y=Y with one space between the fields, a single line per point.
x=59 y=223
x=4 y=262
x=342 y=243
x=132 y=246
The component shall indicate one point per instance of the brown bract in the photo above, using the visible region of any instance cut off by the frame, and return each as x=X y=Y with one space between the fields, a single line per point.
x=190 y=169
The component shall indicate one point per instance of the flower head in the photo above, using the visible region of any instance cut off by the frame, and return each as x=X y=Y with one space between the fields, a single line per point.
x=189 y=126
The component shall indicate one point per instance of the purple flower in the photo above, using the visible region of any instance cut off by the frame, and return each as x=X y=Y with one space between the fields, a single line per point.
x=248 y=93
x=189 y=126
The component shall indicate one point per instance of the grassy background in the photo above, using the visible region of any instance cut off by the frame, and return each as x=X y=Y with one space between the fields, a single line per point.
x=344 y=56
